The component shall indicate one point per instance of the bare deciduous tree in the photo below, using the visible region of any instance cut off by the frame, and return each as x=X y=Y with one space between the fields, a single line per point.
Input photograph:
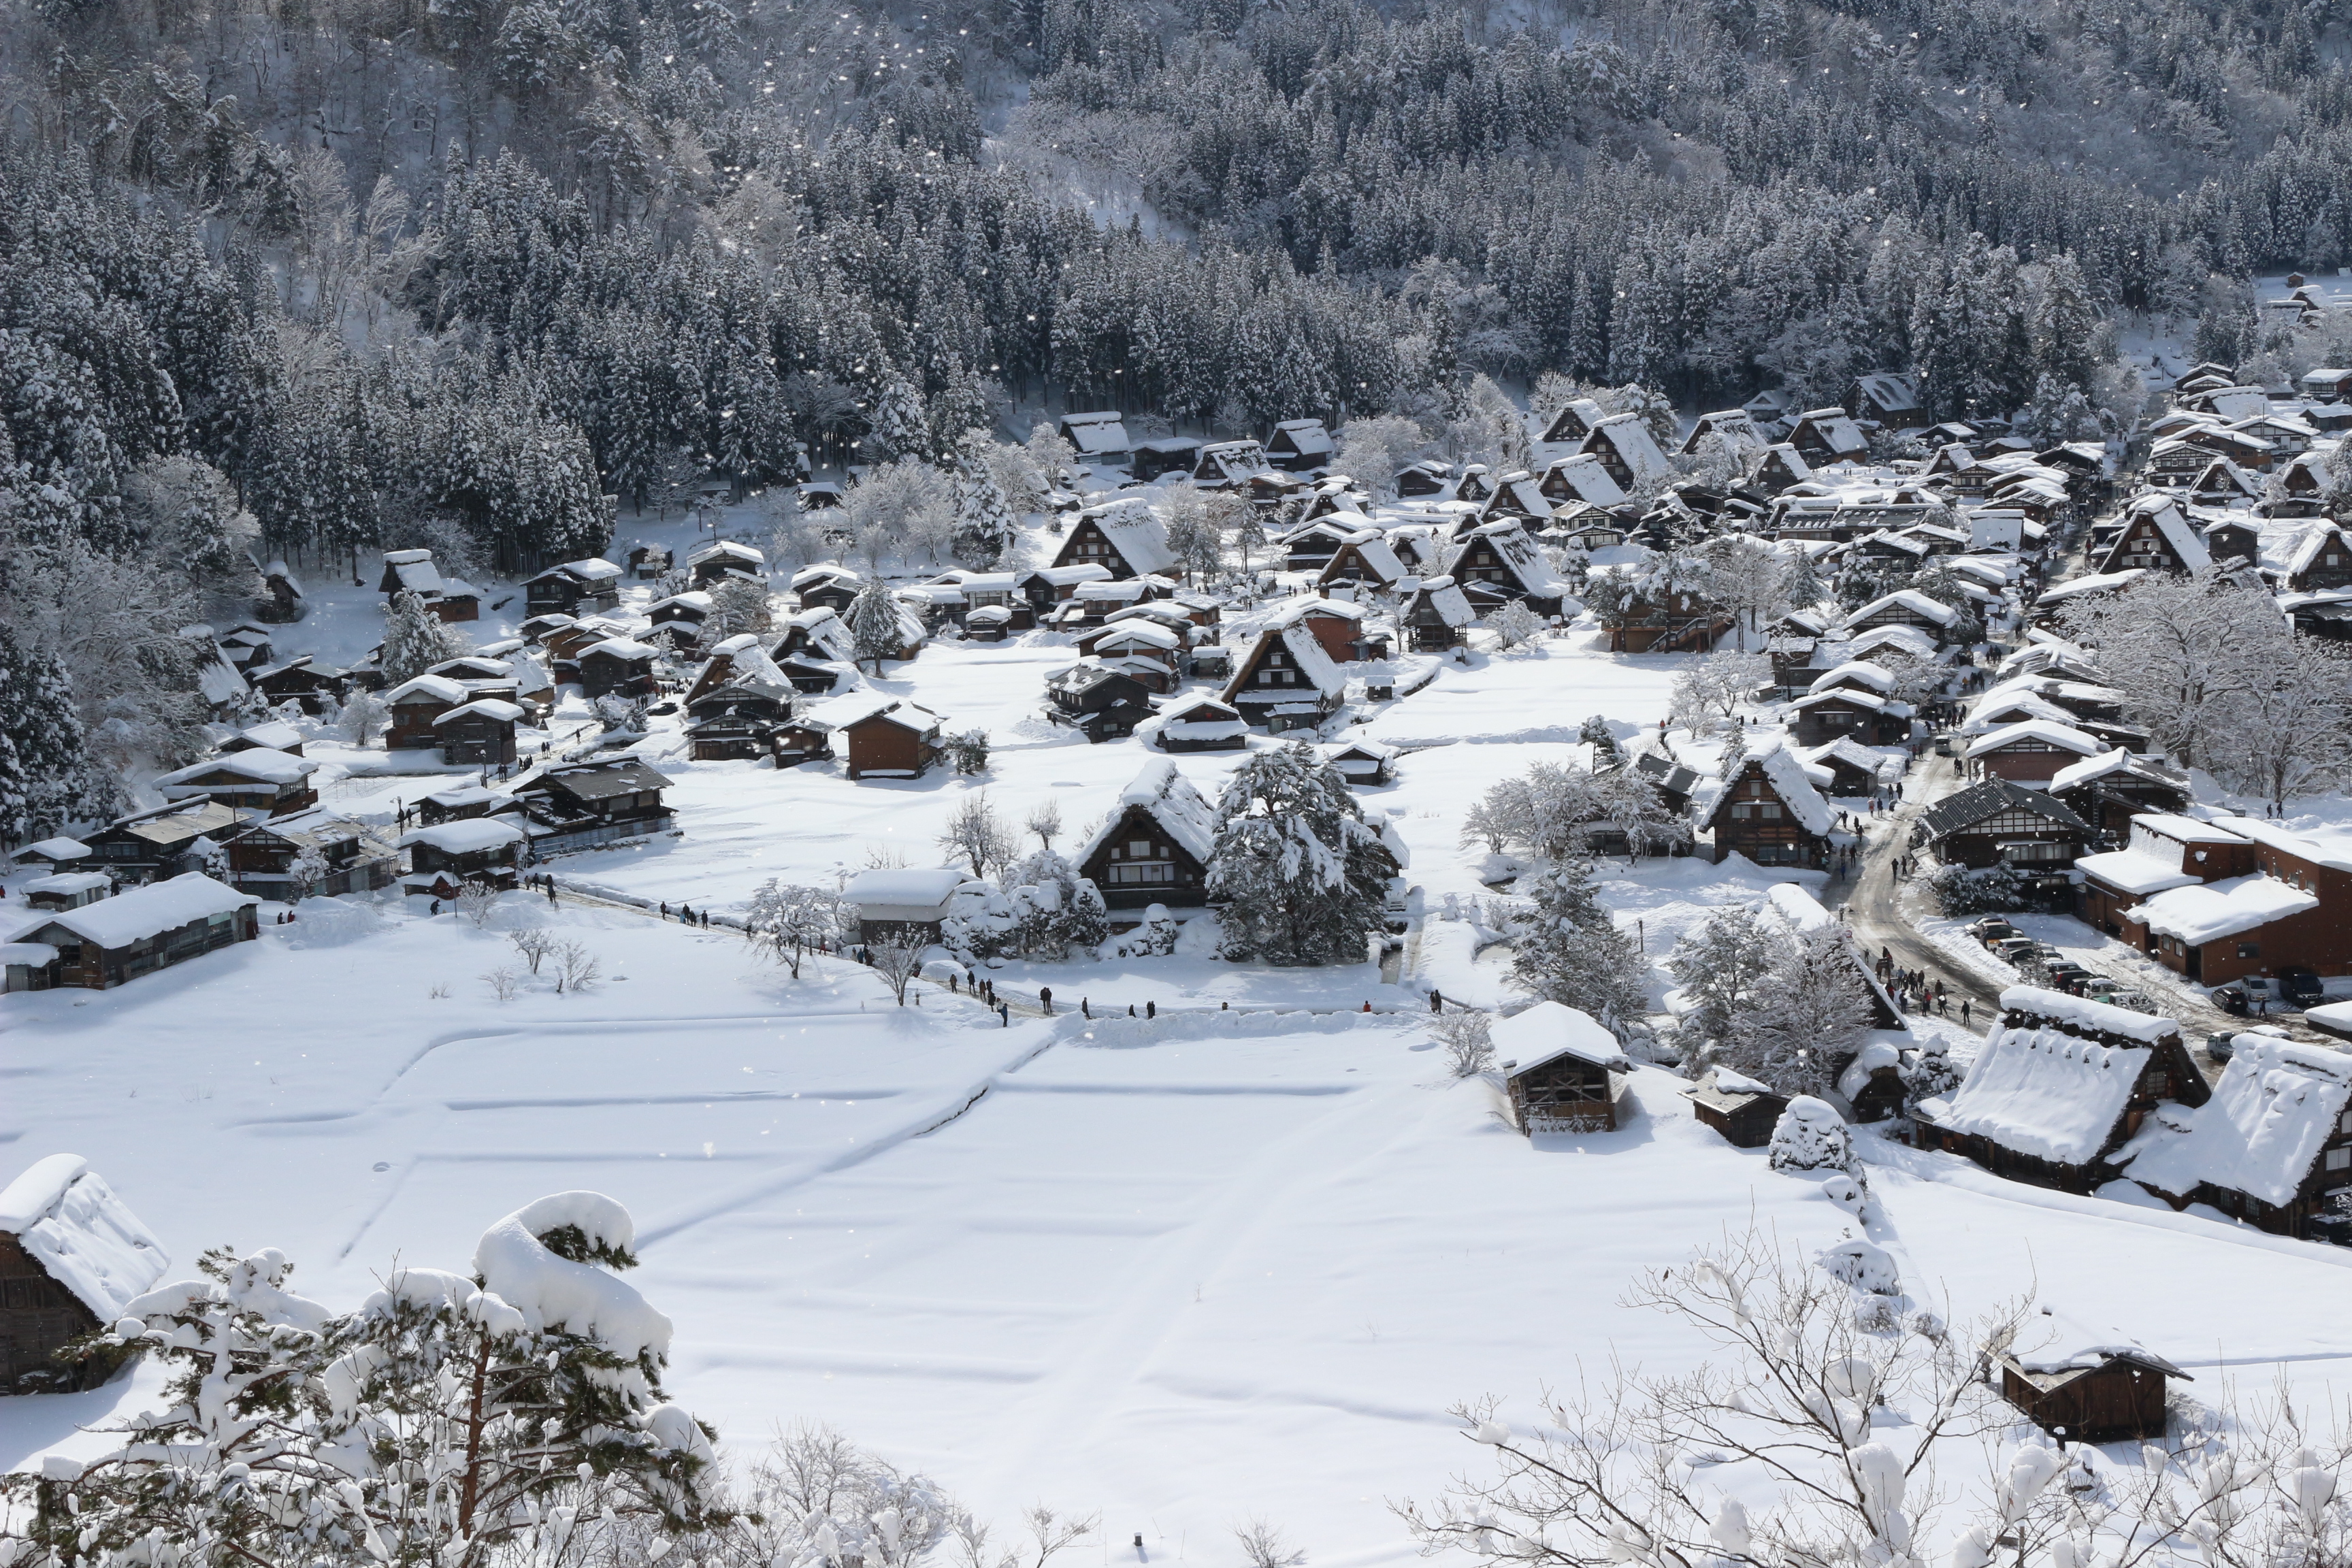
x=503 y=983
x=1046 y=821
x=532 y=944
x=1467 y=1035
x=897 y=963
x=576 y=968
x=1264 y=1545
x=978 y=833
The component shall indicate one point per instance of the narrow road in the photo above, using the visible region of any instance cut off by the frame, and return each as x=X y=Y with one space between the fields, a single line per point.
x=1874 y=916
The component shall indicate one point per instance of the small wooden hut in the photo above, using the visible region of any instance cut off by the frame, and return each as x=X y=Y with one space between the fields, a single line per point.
x=72 y=1256
x=1560 y=1067
x=2085 y=1387
x=1737 y=1106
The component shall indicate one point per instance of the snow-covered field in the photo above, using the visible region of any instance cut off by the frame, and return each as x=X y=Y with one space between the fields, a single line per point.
x=1182 y=1272
x=1218 y=1265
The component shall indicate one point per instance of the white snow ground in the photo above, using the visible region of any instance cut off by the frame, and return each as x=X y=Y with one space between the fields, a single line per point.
x=1221 y=1265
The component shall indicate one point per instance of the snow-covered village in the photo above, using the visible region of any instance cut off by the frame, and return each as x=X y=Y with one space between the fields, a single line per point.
x=1158 y=782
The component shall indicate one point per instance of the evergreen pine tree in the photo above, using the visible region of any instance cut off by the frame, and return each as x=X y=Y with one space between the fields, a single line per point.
x=1301 y=877
x=415 y=639
x=985 y=528
x=1568 y=949
x=876 y=630
x=47 y=770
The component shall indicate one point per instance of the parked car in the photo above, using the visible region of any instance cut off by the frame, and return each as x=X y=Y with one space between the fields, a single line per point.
x=2220 y=1043
x=2233 y=999
x=2015 y=948
x=1991 y=929
x=2300 y=987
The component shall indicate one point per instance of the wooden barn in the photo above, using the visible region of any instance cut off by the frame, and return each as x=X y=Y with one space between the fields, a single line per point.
x=72 y=1256
x=2082 y=1386
x=1562 y=1070
x=901 y=905
x=894 y=741
x=1097 y=701
x=1744 y=1110
x=2060 y=1086
x=583 y=804
x=1200 y=724
x=1153 y=847
x=1770 y=813
x=139 y=930
x=573 y=588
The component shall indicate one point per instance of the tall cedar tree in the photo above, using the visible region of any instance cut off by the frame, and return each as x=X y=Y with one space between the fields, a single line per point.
x=1300 y=876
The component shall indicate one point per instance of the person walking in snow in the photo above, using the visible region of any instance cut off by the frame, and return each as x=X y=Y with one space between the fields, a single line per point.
x=1045 y=999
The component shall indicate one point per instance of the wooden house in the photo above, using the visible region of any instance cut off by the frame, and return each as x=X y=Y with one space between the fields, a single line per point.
x=1310 y=546
x=1166 y=455
x=1850 y=712
x=2156 y=535
x=443 y=860
x=720 y=560
x=1581 y=479
x=2290 y=912
x=1853 y=769
x=679 y=617
x=270 y=734
x=891 y=740
x=1097 y=438
x=1892 y=400
x=1364 y=763
x=1872 y=1083
x=1673 y=783
x=1782 y=468
x=1501 y=555
x=2109 y=790
x=2319 y=560
x=1154 y=845
x=2273 y=1147
x=1286 y=680
x=412 y=706
x=1437 y=617
x=1300 y=445
x=901 y=905
x=579 y=805
x=2031 y=751
x=2087 y=1387
x=56 y=854
x=410 y=571
x=459 y=802
x=573 y=588
x=734 y=722
x=1562 y=1071
x=617 y=667
x=1770 y=812
x=1826 y=436
x=1742 y=1109
x=1419 y=481
x=302 y=680
x=160 y=841
x=1364 y=562
x=255 y=779
x=800 y=739
x=1996 y=822
x=2231 y=537
x=647 y=561
x=826 y=588
x=142 y=929
x=1904 y=607
x=67 y=890
x=1097 y=701
x=72 y=1259
x=1627 y=452
x=1574 y=421
x=349 y=857
x=1200 y=725
x=1735 y=426
x=481 y=731
x=2058 y=1088
x=1229 y=465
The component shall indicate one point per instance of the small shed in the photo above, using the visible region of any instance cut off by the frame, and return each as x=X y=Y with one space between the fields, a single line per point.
x=72 y=1258
x=1097 y=701
x=2085 y=1386
x=1561 y=1070
x=1744 y=1110
x=1873 y=1082
x=58 y=853
x=1364 y=763
x=470 y=850
x=67 y=890
x=1202 y=724
x=901 y=904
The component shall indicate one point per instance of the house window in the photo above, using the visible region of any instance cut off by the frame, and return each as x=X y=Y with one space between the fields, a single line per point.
x=1153 y=871
x=1139 y=848
x=2339 y=1160
x=2250 y=950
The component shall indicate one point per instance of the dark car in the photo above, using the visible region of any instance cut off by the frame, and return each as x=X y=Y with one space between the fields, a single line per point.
x=2232 y=999
x=2300 y=987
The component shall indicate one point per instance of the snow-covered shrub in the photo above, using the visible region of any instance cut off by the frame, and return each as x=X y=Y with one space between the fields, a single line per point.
x=1931 y=1074
x=1846 y=1193
x=1155 y=938
x=969 y=751
x=1863 y=1265
x=1468 y=1035
x=1996 y=890
x=332 y=922
x=1810 y=1136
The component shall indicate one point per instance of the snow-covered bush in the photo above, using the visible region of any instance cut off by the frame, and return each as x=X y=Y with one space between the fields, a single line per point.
x=1931 y=1074
x=1863 y=1265
x=1515 y=625
x=1995 y=889
x=1468 y=1035
x=1155 y=938
x=1810 y=1136
x=967 y=750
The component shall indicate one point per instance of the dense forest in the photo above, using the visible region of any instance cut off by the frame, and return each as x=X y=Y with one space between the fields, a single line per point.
x=298 y=278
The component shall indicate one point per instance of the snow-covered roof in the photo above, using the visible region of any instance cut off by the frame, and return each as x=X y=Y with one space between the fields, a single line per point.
x=1095 y=435
x=2064 y=737
x=58 y=848
x=2099 y=767
x=259 y=763
x=1911 y=599
x=2057 y=1344
x=2172 y=524
x=725 y=549
x=1446 y=597
x=142 y=912
x=1180 y=810
x=1848 y=750
x=1874 y=1057
x=436 y=688
x=2308 y=545
x=2275 y=1104
x=1632 y=442
x=2212 y=911
x=1894 y=638
x=2040 y=1091
x=1587 y=481
x=1549 y=1030
x=2085 y=1014
x=66 y=884
x=467 y=836
x=1875 y=676
x=274 y=733
x=2136 y=871
x=903 y=888
x=1137 y=532
x=493 y=708
x=87 y=1239
x=1308 y=437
